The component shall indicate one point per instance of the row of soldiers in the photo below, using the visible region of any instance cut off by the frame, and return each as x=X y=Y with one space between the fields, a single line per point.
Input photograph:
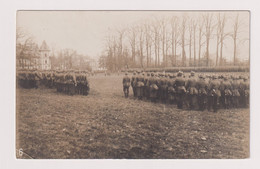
x=70 y=82
x=194 y=91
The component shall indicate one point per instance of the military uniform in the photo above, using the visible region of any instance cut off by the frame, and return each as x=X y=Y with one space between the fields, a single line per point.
x=153 y=88
x=214 y=94
x=202 y=92
x=85 y=84
x=163 y=88
x=171 y=90
x=244 y=92
x=126 y=85
x=235 y=92
x=180 y=89
x=192 y=91
x=139 y=86
x=226 y=94
x=146 y=86
x=133 y=83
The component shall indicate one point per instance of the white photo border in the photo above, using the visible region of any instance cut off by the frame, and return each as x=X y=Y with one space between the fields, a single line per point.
x=8 y=96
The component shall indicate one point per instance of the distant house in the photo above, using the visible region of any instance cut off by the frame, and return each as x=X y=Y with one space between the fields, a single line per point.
x=30 y=56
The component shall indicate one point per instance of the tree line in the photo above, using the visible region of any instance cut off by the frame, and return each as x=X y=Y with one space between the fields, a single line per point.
x=193 y=39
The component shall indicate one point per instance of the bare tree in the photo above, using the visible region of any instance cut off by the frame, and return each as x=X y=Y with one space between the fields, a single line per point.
x=190 y=39
x=141 y=44
x=163 y=27
x=234 y=35
x=174 y=38
x=132 y=39
x=120 y=33
x=148 y=43
x=221 y=35
x=183 y=31
x=156 y=43
x=24 y=48
x=194 y=25
x=208 y=21
x=201 y=26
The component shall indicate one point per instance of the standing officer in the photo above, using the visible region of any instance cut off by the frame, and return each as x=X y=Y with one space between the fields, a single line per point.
x=133 y=83
x=126 y=84
x=139 y=85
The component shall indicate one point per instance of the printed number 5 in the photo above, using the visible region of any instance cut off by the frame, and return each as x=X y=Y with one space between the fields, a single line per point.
x=20 y=152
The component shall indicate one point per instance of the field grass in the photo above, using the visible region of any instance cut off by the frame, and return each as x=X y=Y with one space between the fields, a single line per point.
x=106 y=125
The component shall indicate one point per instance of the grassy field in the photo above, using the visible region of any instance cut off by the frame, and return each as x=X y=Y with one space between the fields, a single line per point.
x=106 y=125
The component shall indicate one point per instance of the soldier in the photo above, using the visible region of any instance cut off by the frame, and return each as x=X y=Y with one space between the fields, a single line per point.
x=37 y=79
x=180 y=89
x=58 y=81
x=214 y=94
x=79 y=80
x=244 y=92
x=31 y=79
x=153 y=88
x=226 y=94
x=163 y=88
x=133 y=83
x=21 y=79
x=139 y=85
x=126 y=84
x=146 y=86
x=247 y=91
x=71 y=83
x=192 y=91
x=235 y=91
x=171 y=90
x=85 y=83
x=44 y=79
x=202 y=92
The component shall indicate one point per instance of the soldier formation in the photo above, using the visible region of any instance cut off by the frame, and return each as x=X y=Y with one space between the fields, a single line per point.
x=195 y=92
x=70 y=82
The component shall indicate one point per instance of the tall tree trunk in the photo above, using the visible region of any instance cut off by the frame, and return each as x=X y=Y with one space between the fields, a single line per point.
x=221 y=53
x=173 y=48
x=235 y=51
x=175 y=52
x=158 y=52
x=155 y=53
x=207 y=52
x=217 y=52
x=147 y=55
x=199 y=48
x=194 y=45
x=190 y=51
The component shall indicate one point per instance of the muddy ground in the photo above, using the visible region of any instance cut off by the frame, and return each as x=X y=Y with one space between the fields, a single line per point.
x=105 y=125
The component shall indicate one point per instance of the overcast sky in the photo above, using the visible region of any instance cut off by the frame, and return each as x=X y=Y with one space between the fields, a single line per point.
x=85 y=31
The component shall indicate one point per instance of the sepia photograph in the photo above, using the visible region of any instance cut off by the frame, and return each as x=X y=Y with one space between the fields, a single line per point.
x=132 y=84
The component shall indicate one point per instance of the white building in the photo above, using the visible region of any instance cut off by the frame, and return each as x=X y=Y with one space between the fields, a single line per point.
x=30 y=56
x=44 y=62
